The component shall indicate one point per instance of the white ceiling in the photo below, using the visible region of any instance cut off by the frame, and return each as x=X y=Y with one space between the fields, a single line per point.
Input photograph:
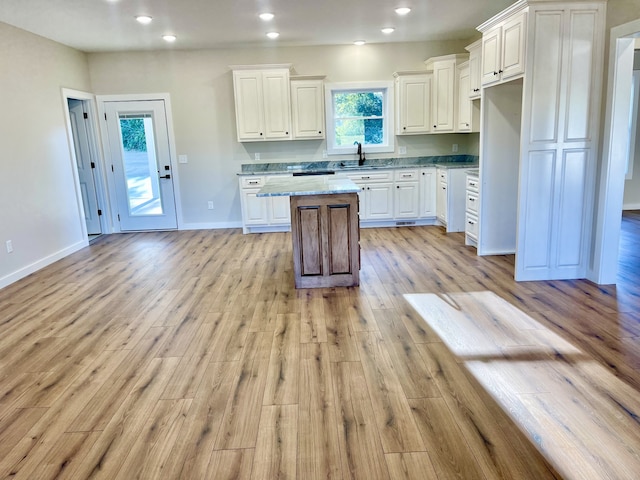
x=109 y=25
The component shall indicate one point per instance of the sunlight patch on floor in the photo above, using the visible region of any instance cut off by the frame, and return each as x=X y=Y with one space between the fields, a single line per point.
x=581 y=417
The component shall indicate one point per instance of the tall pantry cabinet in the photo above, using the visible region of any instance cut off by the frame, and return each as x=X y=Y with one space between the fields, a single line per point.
x=552 y=155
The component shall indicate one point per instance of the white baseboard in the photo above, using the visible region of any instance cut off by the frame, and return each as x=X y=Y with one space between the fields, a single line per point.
x=210 y=226
x=631 y=206
x=48 y=260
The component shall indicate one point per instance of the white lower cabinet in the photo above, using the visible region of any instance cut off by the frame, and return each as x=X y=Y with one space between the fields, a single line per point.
x=262 y=213
x=376 y=194
x=387 y=197
x=471 y=209
x=406 y=194
x=450 y=198
x=428 y=189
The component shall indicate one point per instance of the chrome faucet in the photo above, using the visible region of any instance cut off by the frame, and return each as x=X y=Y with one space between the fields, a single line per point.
x=361 y=157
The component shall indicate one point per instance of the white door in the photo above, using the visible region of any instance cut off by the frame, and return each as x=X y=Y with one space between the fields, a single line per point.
x=85 y=165
x=138 y=140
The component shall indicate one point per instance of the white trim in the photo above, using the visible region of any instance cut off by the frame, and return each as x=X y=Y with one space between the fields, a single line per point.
x=43 y=262
x=101 y=100
x=614 y=154
x=631 y=206
x=389 y=144
x=211 y=225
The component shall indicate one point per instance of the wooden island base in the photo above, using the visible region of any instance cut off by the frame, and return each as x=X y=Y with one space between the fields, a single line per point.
x=326 y=240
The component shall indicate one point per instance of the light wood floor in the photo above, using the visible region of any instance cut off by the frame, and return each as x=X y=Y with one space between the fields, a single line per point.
x=190 y=355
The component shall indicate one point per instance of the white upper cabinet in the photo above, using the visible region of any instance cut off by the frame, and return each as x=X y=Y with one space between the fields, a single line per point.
x=263 y=105
x=503 y=45
x=475 y=59
x=307 y=107
x=444 y=90
x=464 y=102
x=413 y=103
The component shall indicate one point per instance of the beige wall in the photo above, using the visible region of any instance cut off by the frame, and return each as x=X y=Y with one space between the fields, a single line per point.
x=201 y=89
x=38 y=207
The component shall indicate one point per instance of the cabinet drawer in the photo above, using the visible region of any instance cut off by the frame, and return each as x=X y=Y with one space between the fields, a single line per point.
x=472 y=202
x=252 y=182
x=471 y=227
x=473 y=183
x=442 y=176
x=405 y=174
x=375 y=176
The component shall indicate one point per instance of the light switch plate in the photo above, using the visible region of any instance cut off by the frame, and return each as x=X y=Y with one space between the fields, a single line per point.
x=257 y=156
x=402 y=150
x=183 y=159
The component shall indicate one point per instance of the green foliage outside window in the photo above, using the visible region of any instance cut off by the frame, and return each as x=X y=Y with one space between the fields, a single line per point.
x=133 y=136
x=359 y=117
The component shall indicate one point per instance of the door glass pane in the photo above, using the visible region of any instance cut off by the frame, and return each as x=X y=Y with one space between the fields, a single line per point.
x=140 y=165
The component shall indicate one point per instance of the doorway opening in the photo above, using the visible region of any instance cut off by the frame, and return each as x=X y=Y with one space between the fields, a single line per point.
x=615 y=158
x=85 y=154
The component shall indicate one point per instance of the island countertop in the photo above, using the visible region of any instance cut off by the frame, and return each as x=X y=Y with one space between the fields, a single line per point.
x=311 y=185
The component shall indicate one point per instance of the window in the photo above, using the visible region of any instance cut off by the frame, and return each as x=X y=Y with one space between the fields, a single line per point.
x=359 y=113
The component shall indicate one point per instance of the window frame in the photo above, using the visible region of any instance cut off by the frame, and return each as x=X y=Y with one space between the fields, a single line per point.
x=388 y=144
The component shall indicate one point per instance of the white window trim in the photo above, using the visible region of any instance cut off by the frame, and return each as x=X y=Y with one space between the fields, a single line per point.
x=388 y=145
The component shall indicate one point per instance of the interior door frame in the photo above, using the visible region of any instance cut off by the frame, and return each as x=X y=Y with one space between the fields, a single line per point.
x=89 y=100
x=101 y=100
x=614 y=153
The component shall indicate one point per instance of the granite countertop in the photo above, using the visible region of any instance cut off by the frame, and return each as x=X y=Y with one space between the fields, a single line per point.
x=447 y=161
x=312 y=185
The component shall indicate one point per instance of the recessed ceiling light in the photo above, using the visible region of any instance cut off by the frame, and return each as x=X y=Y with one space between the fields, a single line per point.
x=402 y=10
x=144 y=19
x=273 y=34
x=388 y=30
x=359 y=42
x=266 y=16
x=169 y=38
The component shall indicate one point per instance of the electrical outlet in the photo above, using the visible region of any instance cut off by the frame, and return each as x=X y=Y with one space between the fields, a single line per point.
x=257 y=156
x=324 y=154
x=454 y=147
x=402 y=150
x=210 y=205
x=9 y=246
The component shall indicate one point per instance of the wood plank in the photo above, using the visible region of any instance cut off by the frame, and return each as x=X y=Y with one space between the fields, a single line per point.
x=282 y=377
x=410 y=466
x=396 y=426
x=230 y=464
x=240 y=423
x=195 y=441
x=276 y=447
x=361 y=454
x=318 y=446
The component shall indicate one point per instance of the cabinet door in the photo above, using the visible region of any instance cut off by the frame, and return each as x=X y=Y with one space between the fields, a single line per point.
x=491 y=48
x=407 y=200
x=464 y=102
x=441 y=202
x=428 y=192
x=277 y=104
x=513 y=46
x=414 y=104
x=255 y=209
x=474 y=73
x=249 y=105
x=443 y=100
x=280 y=211
x=307 y=104
x=379 y=201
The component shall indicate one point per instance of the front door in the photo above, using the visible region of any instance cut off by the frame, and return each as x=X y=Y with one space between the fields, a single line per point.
x=85 y=164
x=138 y=140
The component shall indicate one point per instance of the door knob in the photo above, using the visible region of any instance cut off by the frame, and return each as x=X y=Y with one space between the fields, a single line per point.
x=167 y=176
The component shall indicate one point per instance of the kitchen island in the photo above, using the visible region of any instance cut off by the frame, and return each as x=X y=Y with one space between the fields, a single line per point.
x=325 y=228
